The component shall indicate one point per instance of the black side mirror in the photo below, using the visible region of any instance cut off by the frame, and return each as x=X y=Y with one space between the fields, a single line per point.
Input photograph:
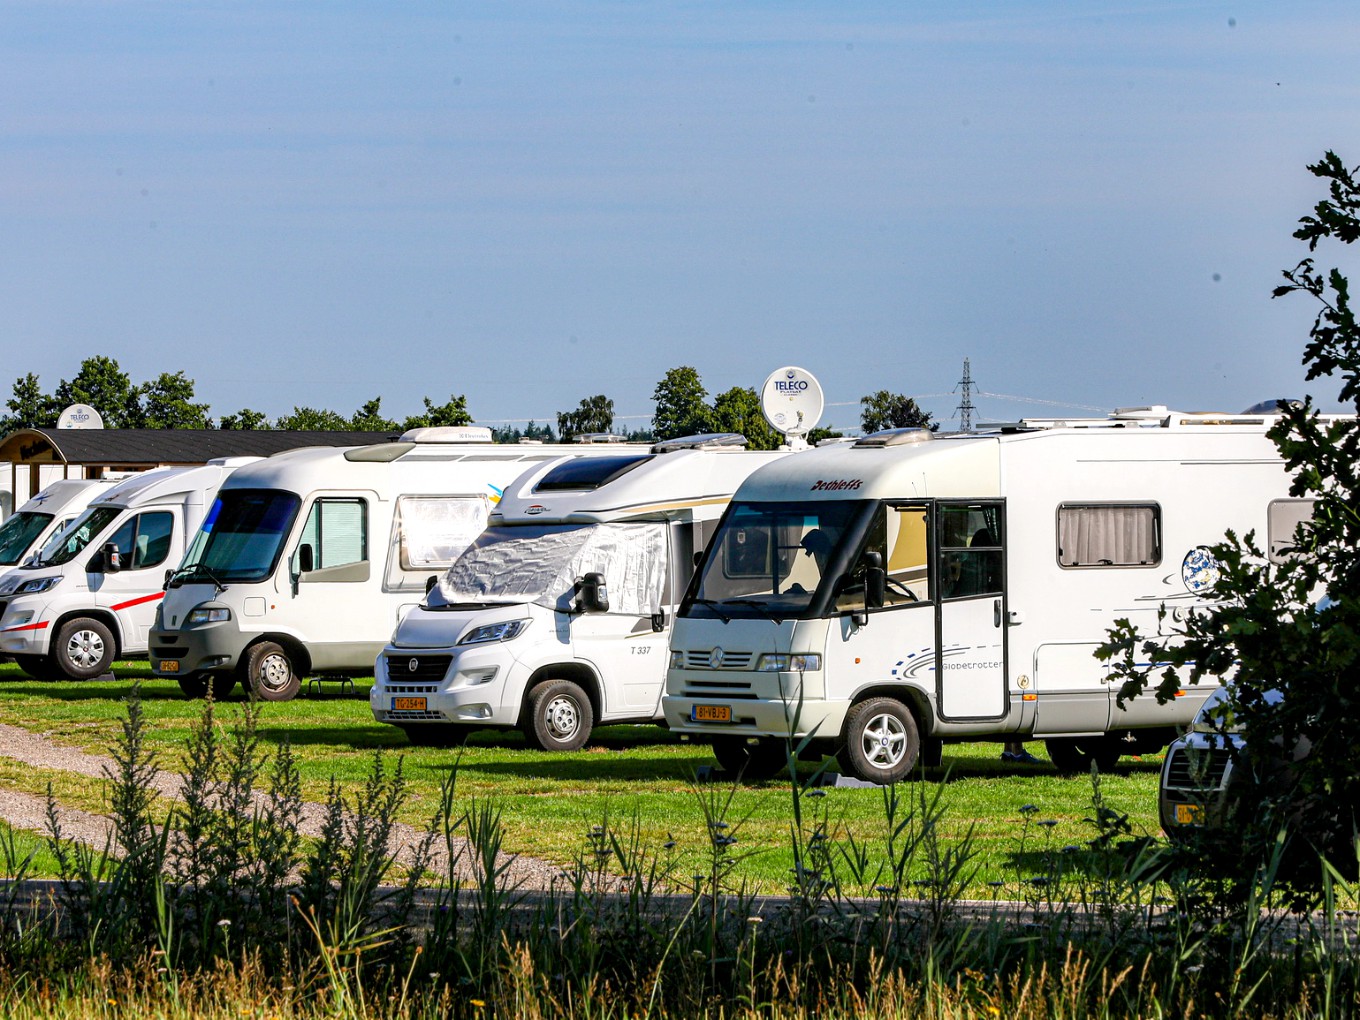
x=111 y=559
x=592 y=596
x=430 y=582
x=166 y=583
x=875 y=581
x=306 y=559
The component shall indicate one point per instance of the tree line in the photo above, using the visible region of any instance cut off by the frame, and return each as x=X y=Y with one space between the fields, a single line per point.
x=167 y=402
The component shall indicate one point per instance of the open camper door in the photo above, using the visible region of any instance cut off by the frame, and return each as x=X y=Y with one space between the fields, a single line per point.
x=970 y=673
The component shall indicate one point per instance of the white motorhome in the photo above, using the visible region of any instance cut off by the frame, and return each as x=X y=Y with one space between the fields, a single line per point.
x=556 y=618
x=309 y=558
x=883 y=597
x=33 y=524
x=90 y=593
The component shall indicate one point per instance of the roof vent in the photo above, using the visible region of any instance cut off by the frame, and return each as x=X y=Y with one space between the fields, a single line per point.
x=1273 y=406
x=894 y=437
x=448 y=434
x=702 y=441
x=597 y=437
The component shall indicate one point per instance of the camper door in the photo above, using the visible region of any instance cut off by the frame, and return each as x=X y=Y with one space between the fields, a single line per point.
x=970 y=644
x=328 y=568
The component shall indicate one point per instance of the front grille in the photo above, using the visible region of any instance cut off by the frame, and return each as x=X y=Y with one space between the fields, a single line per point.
x=696 y=659
x=426 y=716
x=729 y=689
x=169 y=651
x=426 y=667
x=1196 y=768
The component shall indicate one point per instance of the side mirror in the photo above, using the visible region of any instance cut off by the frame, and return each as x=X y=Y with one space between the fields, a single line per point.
x=592 y=596
x=111 y=559
x=166 y=583
x=875 y=581
x=306 y=559
x=430 y=582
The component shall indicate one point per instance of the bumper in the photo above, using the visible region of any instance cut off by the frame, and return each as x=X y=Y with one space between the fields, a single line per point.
x=753 y=704
x=25 y=629
x=439 y=686
x=211 y=648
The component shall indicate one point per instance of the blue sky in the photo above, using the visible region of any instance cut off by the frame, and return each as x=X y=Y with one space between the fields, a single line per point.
x=308 y=203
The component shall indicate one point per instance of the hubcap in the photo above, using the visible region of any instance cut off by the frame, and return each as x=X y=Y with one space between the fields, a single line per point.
x=885 y=741
x=274 y=672
x=562 y=717
x=85 y=650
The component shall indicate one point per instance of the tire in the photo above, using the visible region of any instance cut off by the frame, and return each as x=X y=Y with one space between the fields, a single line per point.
x=197 y=685
x=1074 y=755
x=753 y=763
x=39 y=667
x=436 y=734
x=882 y=742
x=268 y=672
x=560 y=717
x=84 y=649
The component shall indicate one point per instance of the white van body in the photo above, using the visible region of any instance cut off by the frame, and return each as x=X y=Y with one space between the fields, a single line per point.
x=30 y=527
x=1008 y=556
x=311 y=557
x=90 y=594
x=514 y=634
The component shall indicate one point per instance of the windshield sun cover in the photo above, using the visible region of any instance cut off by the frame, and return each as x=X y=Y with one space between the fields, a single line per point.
x=540 y=564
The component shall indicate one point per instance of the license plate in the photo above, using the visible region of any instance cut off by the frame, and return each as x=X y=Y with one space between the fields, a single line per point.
x=408 y=704
x=710 y=713
x=1190 y=814
x=168 y=666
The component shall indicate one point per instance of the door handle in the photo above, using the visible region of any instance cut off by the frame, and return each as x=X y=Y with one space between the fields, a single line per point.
x=996 y=613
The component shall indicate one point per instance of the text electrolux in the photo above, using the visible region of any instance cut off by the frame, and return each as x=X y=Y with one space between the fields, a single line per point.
x=791 y=386
x=837 y=485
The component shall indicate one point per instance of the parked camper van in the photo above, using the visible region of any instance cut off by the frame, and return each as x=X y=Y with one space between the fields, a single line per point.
x=885 y=596
x=28 y=530
x=556 y=618
x=308 y=559
x=91 y=592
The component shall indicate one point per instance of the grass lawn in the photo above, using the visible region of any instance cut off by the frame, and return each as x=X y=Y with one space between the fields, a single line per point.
x=629 y=773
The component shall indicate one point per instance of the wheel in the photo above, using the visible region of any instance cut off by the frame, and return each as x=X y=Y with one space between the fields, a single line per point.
x=752 y=762
x=83 y=649
x=882 y=742
x=39 y=667
x=197 y=685
x=1071 y=755
x=268 y=672
x=560 y=716
x=435 y=734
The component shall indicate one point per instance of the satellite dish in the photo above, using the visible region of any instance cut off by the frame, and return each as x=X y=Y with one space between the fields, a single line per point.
x=791 y=401
x=80 y=416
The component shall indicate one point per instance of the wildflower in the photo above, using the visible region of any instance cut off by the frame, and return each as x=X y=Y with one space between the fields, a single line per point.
x=480 y=1004
x=755 y=920
x=1029 y=809
x=816 y=793
x=1048 y=823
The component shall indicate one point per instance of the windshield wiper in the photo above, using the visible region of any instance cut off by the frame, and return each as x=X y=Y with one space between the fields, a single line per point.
x=182 y=575
x=762 y=608
x=713 y=604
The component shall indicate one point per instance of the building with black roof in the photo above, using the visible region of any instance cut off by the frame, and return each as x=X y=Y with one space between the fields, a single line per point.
x=37 y=457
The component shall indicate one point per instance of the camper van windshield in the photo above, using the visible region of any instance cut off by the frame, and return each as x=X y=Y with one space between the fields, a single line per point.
x=67 y=544
x=18 y=533
x=769 y=559
x=241 y=537
x=541 y=564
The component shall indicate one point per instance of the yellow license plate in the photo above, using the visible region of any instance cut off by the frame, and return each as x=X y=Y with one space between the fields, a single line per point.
x=1190 y=814
x=710 y=713
x=168 y=666
x=408 y=704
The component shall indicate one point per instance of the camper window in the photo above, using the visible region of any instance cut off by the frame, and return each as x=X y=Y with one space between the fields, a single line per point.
x=1109 y=535
x=433 y=531
x=898 y=535
x=1282 y=520
x=336 y=531
x=970 y=551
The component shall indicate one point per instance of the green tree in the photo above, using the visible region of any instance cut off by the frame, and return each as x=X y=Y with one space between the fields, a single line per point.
x=453 y=413
x=305 y=419
x=885 y=410
x=244 y=419
x=105 y=387
x=738 y=410
x=167 y=403
x=680 y=406
x=542 y=433
x=29 y=407
x=1268 y=628
x=595 y=414
x=369 y=418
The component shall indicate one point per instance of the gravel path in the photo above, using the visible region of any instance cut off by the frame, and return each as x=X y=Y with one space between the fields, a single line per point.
x=25 y=811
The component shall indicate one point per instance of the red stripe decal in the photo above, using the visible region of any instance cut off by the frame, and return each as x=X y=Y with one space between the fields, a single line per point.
x=27 y=626
x=138 y=602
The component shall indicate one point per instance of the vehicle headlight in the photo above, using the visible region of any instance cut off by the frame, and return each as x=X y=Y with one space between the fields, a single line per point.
x=789 y=662
x=38 y=584
x=504 y=631
x=201 y=615
x=677 y=660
